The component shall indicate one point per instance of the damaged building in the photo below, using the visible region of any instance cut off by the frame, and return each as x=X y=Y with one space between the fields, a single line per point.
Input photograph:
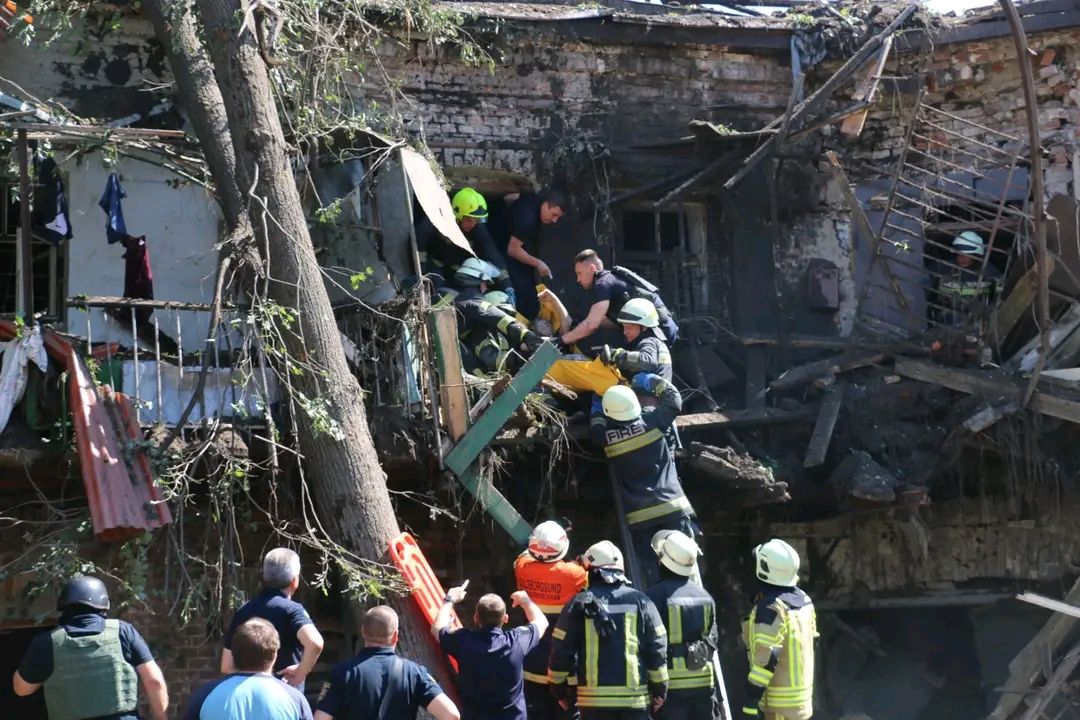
x=793 y=181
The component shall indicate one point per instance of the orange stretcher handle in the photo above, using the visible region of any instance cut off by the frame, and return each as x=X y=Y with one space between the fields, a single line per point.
x=426 y=588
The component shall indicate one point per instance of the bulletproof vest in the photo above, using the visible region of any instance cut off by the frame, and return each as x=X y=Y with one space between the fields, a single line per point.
x=90 y=676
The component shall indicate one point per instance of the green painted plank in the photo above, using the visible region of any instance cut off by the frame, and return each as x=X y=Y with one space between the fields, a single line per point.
x=497 y=506
x=488 y=425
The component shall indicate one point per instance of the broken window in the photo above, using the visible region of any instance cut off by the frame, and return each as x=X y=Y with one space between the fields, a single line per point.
x=671 y=253
x=49 y=262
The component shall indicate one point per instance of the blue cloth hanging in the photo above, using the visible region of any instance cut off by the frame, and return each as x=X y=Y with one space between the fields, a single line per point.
x=115 y=228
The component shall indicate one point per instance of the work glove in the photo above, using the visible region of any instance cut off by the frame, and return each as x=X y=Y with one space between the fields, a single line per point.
x=597 y=406
x=595 y=611
x=650 y=383
x=532 y=343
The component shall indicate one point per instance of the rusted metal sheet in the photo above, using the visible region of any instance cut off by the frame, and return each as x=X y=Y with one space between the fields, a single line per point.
x=123 y=498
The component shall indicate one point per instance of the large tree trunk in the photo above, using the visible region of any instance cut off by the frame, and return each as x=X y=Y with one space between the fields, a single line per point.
x=347 y=482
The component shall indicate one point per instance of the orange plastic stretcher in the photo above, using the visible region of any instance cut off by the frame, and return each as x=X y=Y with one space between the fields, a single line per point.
x=426 y=588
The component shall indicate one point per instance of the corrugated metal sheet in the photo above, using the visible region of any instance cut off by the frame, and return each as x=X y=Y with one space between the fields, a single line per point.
x=124 y=500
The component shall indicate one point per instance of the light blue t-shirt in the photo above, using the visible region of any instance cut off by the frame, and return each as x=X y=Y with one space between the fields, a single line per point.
x=246 y=696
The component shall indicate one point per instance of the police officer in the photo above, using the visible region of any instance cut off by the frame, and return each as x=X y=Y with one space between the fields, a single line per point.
x=491 y=337
x=551 y=582
x=91 y=666
x=611 y=637
x=689 y=614
x=440 y=258
x=642 y=463
x=779 y=636
x=645 y=349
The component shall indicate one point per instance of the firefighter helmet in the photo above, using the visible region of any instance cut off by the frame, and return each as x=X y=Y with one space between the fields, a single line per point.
x=620 y=403
x=969 y=242
x=83 y=590
x=639 y=311
x=473 y=272
x=603 y=556
x=678 y=553
x=469 y=203
x=658 y=539
x=776 y=563
x=548 y=542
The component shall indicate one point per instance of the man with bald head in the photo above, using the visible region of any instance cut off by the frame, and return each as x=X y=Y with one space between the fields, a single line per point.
x=490 y=659
x=377 y=684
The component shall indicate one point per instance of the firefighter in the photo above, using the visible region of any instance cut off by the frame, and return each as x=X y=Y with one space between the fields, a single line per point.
x=492 y=339
x=611 y=636
x=551 y=582
x=968 y=289
x=440 y=258
x=689 y=614
x=779 y=636
x=91 y=666
x=642 y=462
x=645 y=349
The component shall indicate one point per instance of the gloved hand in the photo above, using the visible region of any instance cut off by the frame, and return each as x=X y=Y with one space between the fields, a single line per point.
x=597 y=406
x=532 y=343
x=647 y=383
x=510 y=294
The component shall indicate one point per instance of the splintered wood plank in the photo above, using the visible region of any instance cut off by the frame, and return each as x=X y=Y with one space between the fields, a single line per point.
x=453 y=398
x=866 y=90
x=823 y=428
x=1019 y=300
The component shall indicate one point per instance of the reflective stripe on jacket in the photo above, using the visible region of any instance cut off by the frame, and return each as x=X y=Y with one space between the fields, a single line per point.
x=689 y=614
x=779 y=635
x=550 y=585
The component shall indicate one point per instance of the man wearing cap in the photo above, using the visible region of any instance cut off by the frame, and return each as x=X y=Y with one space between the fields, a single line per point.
x=551 y=581
x=689 y=614
x=971 y=284
x=301 y=643
x=91 y=666
x=609 y=647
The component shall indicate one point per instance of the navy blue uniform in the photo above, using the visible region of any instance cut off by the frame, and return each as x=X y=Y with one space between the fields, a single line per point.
x=286 y=615
x=689 y=614
x=524 y=224
x=37 y=664
x=247 y=696
x=490 y=670
x=356 y=686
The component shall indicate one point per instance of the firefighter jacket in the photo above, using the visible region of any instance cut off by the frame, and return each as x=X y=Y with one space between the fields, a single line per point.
x=689 y=614
x=550 y=585
x=487 y=333
x=440 y=258
x=965 y=294
x=641 y=460
x=779 y=636
x=611 y=637
x=648 y=354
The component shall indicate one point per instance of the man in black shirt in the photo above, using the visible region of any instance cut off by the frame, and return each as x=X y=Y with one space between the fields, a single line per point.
x=377 y=684
x=527 y=214
x=607 y=294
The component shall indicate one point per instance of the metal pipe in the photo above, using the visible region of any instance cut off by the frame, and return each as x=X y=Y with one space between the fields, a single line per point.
x=26 y=263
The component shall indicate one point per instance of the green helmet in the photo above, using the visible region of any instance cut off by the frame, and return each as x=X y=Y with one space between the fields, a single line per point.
x=469 y=203
x=473 y=272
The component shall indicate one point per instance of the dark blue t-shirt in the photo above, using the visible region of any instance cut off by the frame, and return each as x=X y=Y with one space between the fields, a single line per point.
x=247 y=696
x=356 y=686
x=524 y=222
x=287 y=616
x=608 y=286
x=37 y=664
x=490 y=670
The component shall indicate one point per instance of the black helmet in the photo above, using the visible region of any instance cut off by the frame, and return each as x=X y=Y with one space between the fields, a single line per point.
x=83 y=590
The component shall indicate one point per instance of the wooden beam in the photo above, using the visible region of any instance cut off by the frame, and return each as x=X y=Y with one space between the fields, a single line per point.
x=973 y=382
x=1026 y=666
x=811 y=371
x=866 y=90
x=453 y=397
x=1023 y=294
x=731 y=418
x=823 y=428
x=755 y=377
x=496 y=505
x=1050 y=603
x=1054 y=684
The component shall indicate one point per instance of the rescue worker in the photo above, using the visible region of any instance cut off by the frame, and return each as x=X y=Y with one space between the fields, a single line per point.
x=91 y=666
x=440 y=258
x=608 y=291
x=527 y=214
x=642 y=462
x=689 y=614
x=611 y=637
x=551 y=581
x=968 y=289
x=493 y=340
x=645 y=349
x=779 y=636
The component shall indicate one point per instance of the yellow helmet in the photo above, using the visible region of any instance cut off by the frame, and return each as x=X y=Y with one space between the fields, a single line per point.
x=469 y=203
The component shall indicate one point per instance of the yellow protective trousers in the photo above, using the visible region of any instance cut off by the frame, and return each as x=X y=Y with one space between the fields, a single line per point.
x=584 y=375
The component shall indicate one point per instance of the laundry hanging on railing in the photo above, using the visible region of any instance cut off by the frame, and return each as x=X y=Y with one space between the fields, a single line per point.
x=50 y=218
x=18 y=354
x=115 y=228
x=138 y=277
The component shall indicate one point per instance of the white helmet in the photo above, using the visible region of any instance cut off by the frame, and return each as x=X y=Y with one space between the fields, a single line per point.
x=548 y=542
x=678 y=553
x=603 y=556
x=639 y=311
x=473 y=272
x=969 y=242
x=620 y=403
x=776 y=563
x=658 y=539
